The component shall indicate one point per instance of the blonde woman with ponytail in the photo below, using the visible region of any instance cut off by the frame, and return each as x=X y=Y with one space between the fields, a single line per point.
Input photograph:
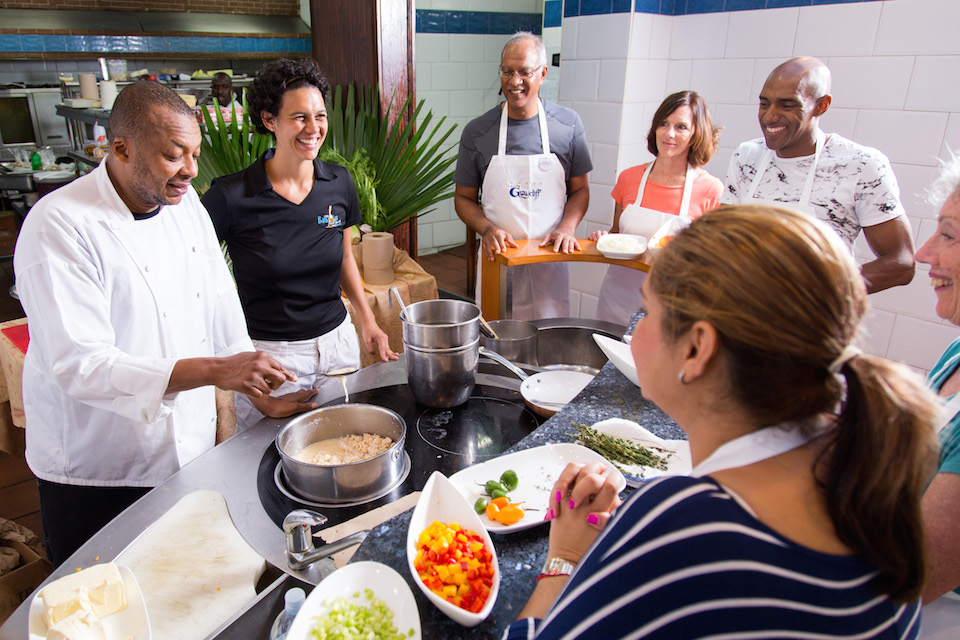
x=801 y=518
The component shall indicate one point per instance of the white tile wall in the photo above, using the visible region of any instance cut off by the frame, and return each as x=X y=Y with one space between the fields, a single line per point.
x=855 y=81
x=837 y=29
x=766 y=33
x=603 y=37
x=894 y=63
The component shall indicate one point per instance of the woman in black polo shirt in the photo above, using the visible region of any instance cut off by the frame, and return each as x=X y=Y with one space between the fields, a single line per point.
x=283 y=219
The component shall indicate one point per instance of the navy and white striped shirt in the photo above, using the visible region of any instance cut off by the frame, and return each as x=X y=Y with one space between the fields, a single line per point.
x=684 y=559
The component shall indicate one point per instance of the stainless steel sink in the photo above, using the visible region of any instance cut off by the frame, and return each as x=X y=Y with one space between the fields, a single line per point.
x=570 y=341
x=253 y=622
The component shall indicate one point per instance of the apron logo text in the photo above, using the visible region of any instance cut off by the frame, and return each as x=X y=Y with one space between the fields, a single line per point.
x=330 y=220
x=517 y=192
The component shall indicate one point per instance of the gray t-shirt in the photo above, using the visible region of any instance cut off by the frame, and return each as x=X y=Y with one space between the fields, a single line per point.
x=478 y=144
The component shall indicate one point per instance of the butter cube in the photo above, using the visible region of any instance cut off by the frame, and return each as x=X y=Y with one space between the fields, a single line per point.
x=97 y=590
x=80 y=625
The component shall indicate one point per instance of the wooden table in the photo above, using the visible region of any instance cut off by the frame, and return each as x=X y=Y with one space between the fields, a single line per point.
x=497 y=282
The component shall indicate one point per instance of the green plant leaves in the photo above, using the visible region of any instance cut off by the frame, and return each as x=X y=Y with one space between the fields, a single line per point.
x=226 y=149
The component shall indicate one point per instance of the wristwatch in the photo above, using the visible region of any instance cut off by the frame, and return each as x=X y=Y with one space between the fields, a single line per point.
x=557 y=567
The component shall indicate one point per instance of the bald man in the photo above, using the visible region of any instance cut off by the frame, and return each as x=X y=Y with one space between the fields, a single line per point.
x=847 y=185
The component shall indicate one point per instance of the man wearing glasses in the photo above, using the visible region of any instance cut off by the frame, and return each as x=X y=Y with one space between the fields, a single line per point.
x=522 y=173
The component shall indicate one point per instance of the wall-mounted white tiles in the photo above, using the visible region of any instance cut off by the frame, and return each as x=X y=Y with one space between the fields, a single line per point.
x=645 y=81
x=640 y=36
x=837 y=29
x=603 y=37
x=875 y=332
x=951 y=139
x=723 y=80
x=914 y=181
x=934 y=85
x=912 y=137
x=432 y=47
x=855 y=81
x=739 y=123
x=613 y=75
x=916 y=299
x=763 y=33
x=452 y=76
x=660 y=37
x=701 y=35
x=580 y=80
x=914 y=27
x=601 y=120
x=919 y=343
x=466 y=47
x=678 y=76
x=604 y=172
x=840 y=120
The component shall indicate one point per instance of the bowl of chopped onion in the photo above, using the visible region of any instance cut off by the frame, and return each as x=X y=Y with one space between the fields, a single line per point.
x=621 y=246
x=451 y=555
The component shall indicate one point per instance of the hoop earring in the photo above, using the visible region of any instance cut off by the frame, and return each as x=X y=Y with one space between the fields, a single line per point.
x=680 y=378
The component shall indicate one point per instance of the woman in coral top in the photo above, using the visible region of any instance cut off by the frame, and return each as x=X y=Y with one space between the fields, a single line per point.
x=683 y=139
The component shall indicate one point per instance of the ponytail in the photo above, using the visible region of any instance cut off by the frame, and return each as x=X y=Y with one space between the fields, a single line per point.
x=874 y=471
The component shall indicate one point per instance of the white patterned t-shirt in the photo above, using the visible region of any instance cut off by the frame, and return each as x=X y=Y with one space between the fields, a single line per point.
x=854 y=186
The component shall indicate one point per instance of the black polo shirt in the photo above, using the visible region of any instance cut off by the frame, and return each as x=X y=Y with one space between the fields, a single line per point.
x=286 y=257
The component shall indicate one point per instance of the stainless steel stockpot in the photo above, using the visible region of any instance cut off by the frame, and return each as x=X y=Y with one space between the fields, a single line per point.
x=442 y=378
x=352 y=482
x=516 y=340
x=440 y=324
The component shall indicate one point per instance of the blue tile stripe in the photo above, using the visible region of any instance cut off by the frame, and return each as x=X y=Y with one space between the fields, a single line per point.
x=685 y=7
x=15 y=43
x=480 y=22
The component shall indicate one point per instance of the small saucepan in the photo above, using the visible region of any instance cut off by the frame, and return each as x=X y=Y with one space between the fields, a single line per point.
x=545 y=392
x=516 y=340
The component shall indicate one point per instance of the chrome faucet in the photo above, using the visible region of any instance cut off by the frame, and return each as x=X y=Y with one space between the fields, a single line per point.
x=298 y=529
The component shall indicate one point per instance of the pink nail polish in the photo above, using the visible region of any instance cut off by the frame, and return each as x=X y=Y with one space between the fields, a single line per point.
x=550 y=514
x=559 y=496
x=593 y=519
x=572 y=504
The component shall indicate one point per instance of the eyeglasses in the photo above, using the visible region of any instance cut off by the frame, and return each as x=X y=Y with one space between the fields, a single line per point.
x=525 y=74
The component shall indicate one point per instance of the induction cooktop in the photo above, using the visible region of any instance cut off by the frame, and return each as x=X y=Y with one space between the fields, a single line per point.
x=445 y=440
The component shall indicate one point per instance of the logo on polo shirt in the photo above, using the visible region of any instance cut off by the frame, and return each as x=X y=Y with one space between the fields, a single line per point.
x=330 y=220
x=530 y=193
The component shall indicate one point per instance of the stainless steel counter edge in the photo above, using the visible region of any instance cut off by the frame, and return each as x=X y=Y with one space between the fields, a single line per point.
x=229 y=468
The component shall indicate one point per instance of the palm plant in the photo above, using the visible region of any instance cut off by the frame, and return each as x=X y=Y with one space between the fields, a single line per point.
x=226 y=149
x=411 y=165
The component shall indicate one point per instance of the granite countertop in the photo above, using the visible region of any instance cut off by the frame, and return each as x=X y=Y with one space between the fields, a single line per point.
x=521 y=554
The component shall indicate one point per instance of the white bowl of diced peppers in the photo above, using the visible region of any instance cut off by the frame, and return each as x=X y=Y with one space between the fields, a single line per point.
x=451 y=555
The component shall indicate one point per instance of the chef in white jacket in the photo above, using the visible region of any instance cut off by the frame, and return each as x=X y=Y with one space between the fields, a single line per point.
x=522 y=173
x=133 y=319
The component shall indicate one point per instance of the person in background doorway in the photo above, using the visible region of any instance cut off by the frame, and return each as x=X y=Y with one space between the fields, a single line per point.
x=284 y=220
x=221 y=88
x=847 y=185
x=133 y=319
x=683 y=139
x=522 y=173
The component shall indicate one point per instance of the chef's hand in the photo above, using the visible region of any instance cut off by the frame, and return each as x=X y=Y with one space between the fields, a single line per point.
x=377 y=342
x=562 y=240
x=285 y=405
x=581 y=503
x=495 y=241
x=596 y=235
x=253 y=373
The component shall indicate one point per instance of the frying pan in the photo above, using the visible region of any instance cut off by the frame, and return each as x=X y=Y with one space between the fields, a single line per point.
x=545 y=392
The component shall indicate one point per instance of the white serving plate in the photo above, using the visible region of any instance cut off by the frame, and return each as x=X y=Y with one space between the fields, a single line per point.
x=678 y=465
x=132 y=623
x=603 y=246
x=386 y=584
x=554 y=389
x=441 y=501
x=537 y=470
x=620 y=355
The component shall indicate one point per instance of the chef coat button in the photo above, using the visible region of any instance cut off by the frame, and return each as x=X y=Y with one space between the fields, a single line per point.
x=146 y=267
x=198 y=294
x=164 y=314
x=194 y=249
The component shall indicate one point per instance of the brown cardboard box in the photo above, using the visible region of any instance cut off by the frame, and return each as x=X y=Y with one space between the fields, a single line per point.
x=16 y=586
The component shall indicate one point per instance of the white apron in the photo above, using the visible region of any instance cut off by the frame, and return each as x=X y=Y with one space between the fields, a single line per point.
x=803 y=206
x=754 y=447
x=620 y=295
x=525 y=196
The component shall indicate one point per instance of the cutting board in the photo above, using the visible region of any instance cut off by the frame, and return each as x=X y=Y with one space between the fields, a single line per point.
x=194 y=568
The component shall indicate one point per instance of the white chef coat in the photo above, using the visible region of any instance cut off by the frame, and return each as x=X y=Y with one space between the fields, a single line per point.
x=525 y=196
x=112 y=304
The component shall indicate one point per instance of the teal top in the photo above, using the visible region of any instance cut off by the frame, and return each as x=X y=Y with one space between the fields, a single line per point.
x=950 y=434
